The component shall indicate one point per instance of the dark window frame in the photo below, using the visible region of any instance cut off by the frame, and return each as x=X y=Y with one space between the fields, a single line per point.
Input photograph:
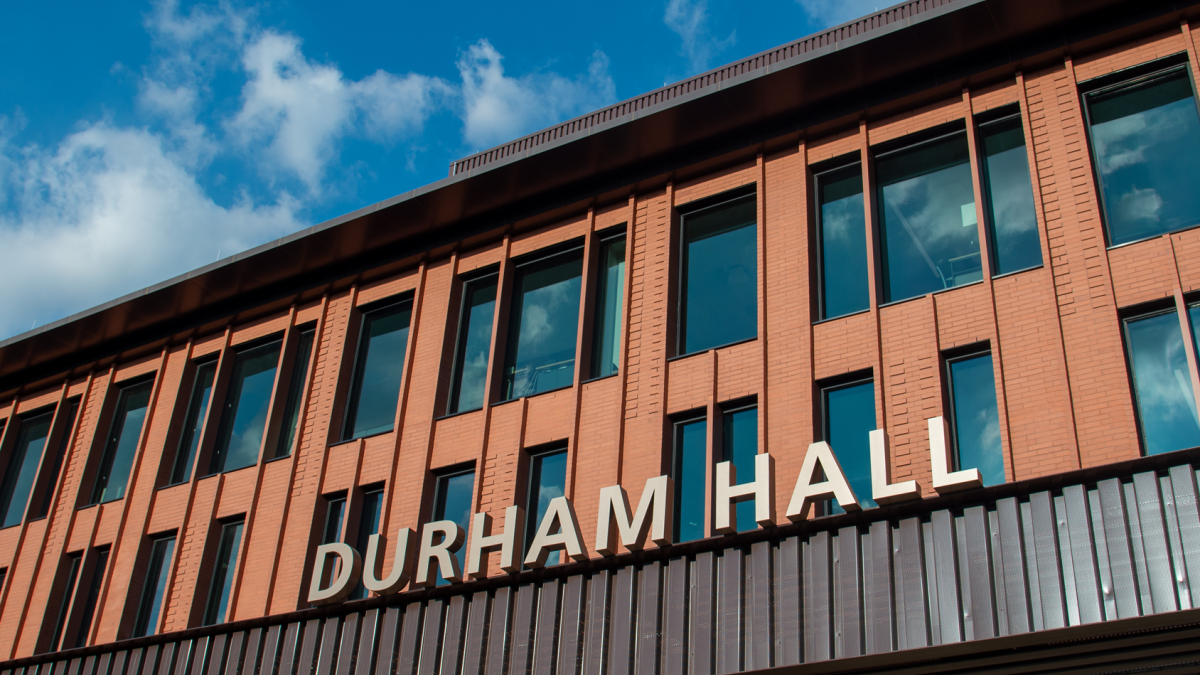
x=106 y=458
x=533 y=472
x=354 y=390
x=466 y=281
x=949 y=357
x=995 y=117
x=818 y=171
x=678 y=422
x=226 y=418
x=603 y=239
x=212 y=597
x=7 y=480
x=291 y=399
x=183 y=434
x=1148 y=310
x=146 y=599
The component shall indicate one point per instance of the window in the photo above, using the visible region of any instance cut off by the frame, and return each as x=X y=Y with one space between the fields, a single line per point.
x=74 y=562
x=1008 y=190
x=369 y=518
x=222 y=580
x=1162 y=386
x=547 y=480
x=155 y=587
x=22 y=467
x=244 y=415
x=847 y=420
x=689 y=469
x=610 y=302
x=740 y=446
x=119 y=450
x=79 y=636
x=930 y=235
x=295 y=394
x=543 y=325
x=378 y=370
x=193 y=423
x=720 y=276
x=842 y=236
x=1145 y=138
x=975 y=422
x=54 y=462
x=473 y=349
x=335 y=515
x=452 y=500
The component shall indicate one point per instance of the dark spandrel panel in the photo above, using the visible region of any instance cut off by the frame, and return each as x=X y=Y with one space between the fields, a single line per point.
x=791 y=630
x=649 y=616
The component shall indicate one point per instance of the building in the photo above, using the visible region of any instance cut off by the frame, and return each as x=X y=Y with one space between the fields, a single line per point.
x=965 y=223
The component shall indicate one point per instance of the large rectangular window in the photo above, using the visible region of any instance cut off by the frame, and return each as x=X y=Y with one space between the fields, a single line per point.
x=610 y=303
x=1162 y=384
x=473 y=349
x=370 y=516
x=452 y=500
x=244 y=415
x=1008 y=189
x=543 y=325
x=1145 y=139
x=848 y=418
x=547 y=480
x=740 y=446
x=927 y=216
x=86 y=605
x=54 y=462
x=842 y=236
x=22 y=467
x=719 y=290
x=193 y=422
x=221 y=587
x=154 y=589
x=295 y=394
x=378 y=371
x=689 y=470
x=974 y=419
x=112 y=476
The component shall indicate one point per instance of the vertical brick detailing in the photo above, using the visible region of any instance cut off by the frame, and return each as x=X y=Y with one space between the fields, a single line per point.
x=912 y=384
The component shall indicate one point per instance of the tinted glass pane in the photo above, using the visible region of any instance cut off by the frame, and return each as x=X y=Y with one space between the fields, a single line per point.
x=1146 y=142
x=291 y=410
x=22 y=468
x=368 y=524
x=89 y=601
x=380 y=369
x=121 y=445
x=849 y=420
x=720 y=276
x=543 y=326
x=547 y=480
x=68 y=592
x=454 y=497
x=54 y=463
x=976 y=421
x=1162 y=383
x=1015 y=244
x=155 y=588
x=474 y=343
x=222 y=579
x=335 y=513
x=741 y=445
x=193 y=424
x=690 y=469
x=927 y=213
x=610 y=293
x=244 y=416
x=843 y=232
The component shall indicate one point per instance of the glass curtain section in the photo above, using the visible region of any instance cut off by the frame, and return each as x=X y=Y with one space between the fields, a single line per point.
x=1146 y=150
x=689 y=468
x=1012 y=219
x=849 y=419
x=378 y=371
x=295 y=395
x=22 y=467
x=543 y=324
x=927 y=214
x=974 y=416
x=369 y=518
x=155 y=587
x=740 y=431
x=193 y=424
x=88 y=611
x=610 y=301
x=1162 y=384
x=842 y=229
x=469 y=385
x=119 y=449
x=244 y=415
x=74 y=562
x=54 y=462
x=222 y=579
x=720 y=276
x=452 y=501
x=547 y=480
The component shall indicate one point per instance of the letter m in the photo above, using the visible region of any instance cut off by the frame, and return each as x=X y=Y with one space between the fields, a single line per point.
x=654 y=517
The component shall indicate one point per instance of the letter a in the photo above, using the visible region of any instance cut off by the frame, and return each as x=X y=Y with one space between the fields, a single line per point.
x=835 y=485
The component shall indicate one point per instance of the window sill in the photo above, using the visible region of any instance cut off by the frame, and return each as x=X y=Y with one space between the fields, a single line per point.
x=540 y=393
x=893 y=303
x=712 y=349
x=364 y=437
x=174 y=485
x=1016 y=272
x=279 y=458
x=602 y=377
x=840 y=317
x=460 y=413
x=1193 y=226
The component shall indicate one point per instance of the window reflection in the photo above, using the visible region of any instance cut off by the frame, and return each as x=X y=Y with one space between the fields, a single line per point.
x=842 y=229
x=244 y=415
x=54 y=462
x=849 y=418
x=1162 y=384
x=547 y=480
x=369 y=518
x=720 y=276
x=1146 y=145
x=378 y=371
x=740 y=446
x=927 y=214
x=112 y=475
x=295 y=394
x=543 y=325
x=222 y=580
x=610 y=292
x=474 y=343
x=22 y=467
x=975 y=420
x=1012 y=218
x=452 y=501
x=155 y=587
x=689 y=469
x=193 y=424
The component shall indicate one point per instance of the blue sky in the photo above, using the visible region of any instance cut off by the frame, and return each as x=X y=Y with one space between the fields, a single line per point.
x=139 y=140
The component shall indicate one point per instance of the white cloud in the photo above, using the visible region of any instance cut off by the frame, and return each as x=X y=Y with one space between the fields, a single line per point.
x=689 y=20
x=1138 y=204
x=829 y=13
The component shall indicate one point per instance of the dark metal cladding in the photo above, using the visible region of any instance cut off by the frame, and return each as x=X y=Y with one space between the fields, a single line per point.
x=287 y=652
x=649 y=618
x=362 y=659
x=410 y=637
x=308 y=648
x=675 y=621
x=912 y=611
x=166 y=657
x=1048 y=561
x=1154 y=540
x=249 y=663
x=106 y=661
x=216 y=655
x=977 y=568
x=1183 y=480
x=233 y=656
x=570 y=644
x=761 y=594
x=878 y=606
x=596 y=652
x=330 y=634
x=791 y=630
x=818 y=605
x=431 y=638
x=730 y=617
x=476 y=634
x=498 y=633
x=620 y=652
x=1183 y=593
x=847 y=607
x=347 y=646
x=456 y=614
x=521 y=654
x=1083 y=554
x=702 y=641
x=546 y=633
x=1011 y=550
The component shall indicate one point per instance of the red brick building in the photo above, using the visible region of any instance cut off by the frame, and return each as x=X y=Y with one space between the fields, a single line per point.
x=977 y=212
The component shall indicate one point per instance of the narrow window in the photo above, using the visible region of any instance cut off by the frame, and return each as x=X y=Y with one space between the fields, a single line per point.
x=22 y=467
x=335 y=515
x=543 y=325
x=474 y=344
x=1162 y=384
x=54 y=462
x=378 y=371
x=155 y=587
x=610 y=301
x=244 y=415
x=547 y=480
x=720 y=276
x=87 y=613
x=1145 y=137
x=689 y=469
x=975 y=422
x=452 y=501
x=121 y=446
x=848 y=418
x=927 y=214
x=1009 y=191
x=295 y=395
x=842 y=231
x=74 y=562
x=193 y=424
x=222 y=579
x=369 y=518
x=740 y=436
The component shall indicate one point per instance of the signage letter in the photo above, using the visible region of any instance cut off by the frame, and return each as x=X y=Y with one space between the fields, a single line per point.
x=509 y=542
x=834 y=486
x=882 y=489
x=760 y=490
x=347 y=577
x=658 y=494
x=401 y=563
x=560 y=513
x=944 y=480
x=452 y=540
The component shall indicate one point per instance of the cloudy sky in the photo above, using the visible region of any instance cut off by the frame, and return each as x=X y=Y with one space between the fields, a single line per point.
x=139 y=140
